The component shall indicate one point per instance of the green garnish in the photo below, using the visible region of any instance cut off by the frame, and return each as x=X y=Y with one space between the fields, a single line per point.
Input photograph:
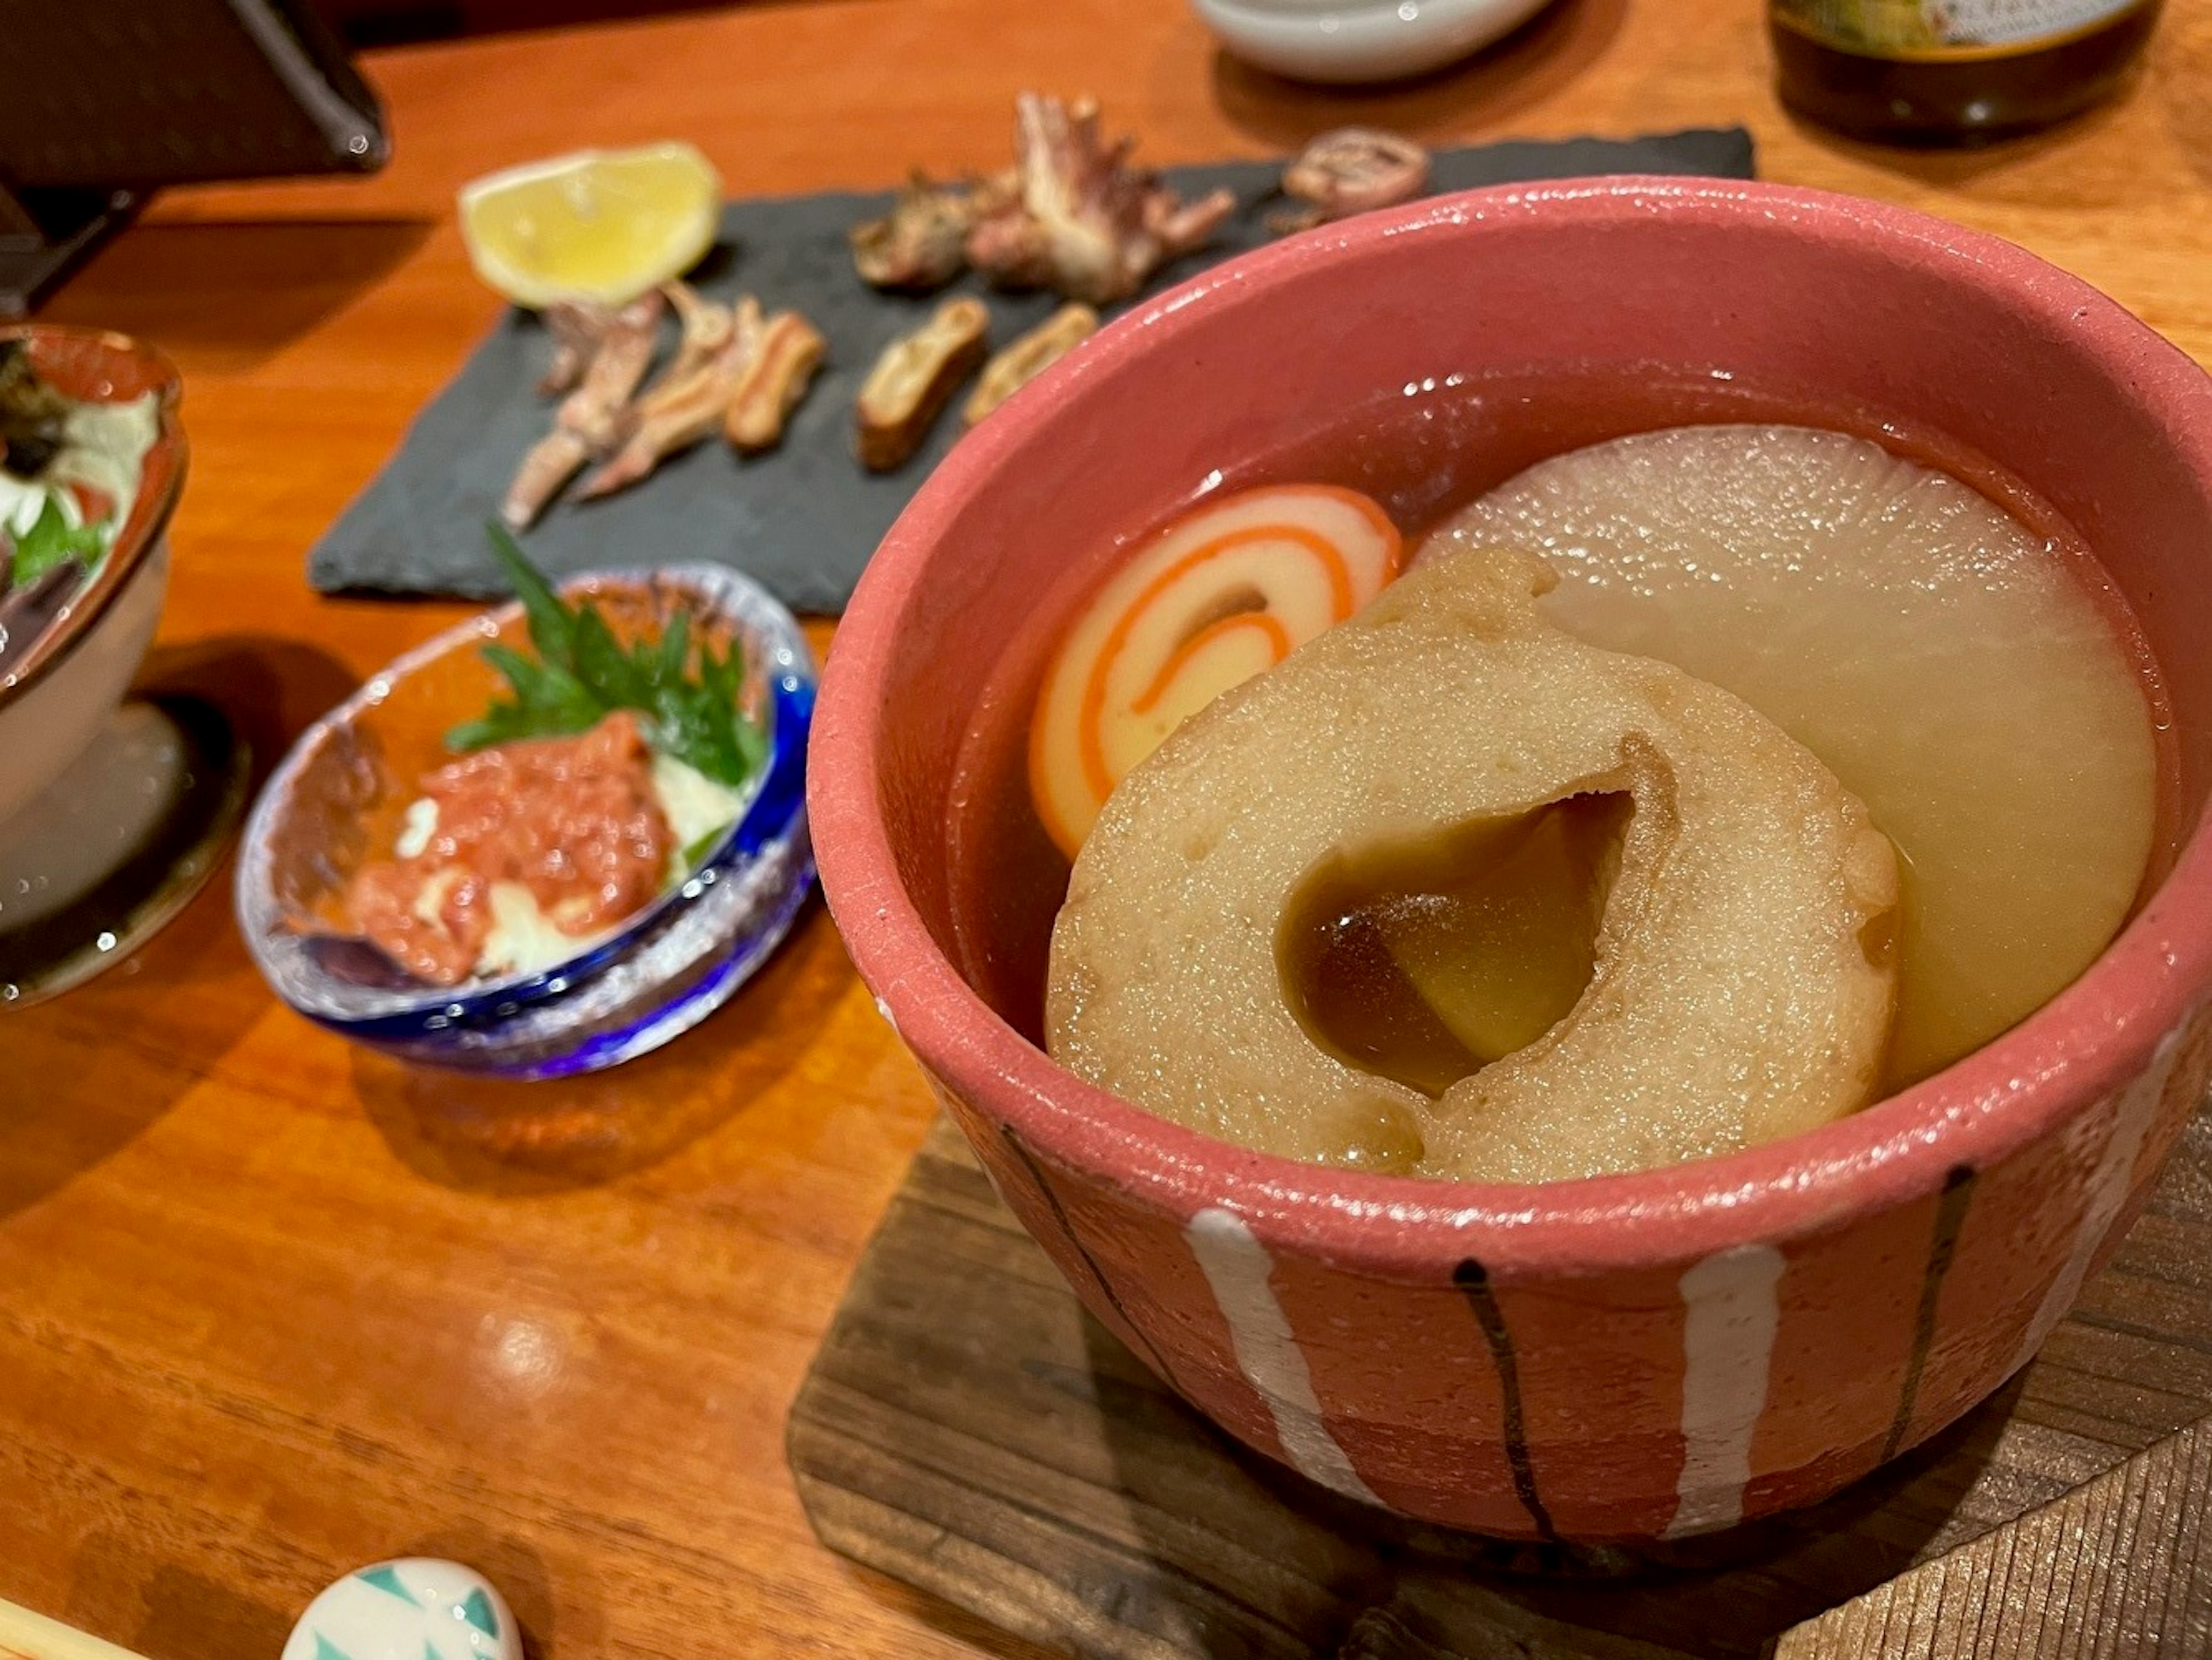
x=583 y=673
x=51 y=540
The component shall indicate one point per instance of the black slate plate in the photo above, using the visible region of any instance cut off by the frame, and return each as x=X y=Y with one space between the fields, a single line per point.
x=804 y=519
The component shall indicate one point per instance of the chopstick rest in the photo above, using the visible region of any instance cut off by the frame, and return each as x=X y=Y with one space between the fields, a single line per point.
x=415 y=1609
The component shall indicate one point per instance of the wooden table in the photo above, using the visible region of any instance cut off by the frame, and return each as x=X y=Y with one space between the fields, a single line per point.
x=271 y=1308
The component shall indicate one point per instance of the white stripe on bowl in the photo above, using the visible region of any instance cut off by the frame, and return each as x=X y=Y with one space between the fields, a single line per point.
x=1238 y=1268
x=1730 y=1311
x=2108 y=1191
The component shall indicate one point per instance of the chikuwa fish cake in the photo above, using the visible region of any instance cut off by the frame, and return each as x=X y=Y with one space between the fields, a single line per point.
x=1450 y=892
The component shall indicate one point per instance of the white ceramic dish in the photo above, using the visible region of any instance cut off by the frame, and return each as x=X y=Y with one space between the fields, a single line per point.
x=1348 y=41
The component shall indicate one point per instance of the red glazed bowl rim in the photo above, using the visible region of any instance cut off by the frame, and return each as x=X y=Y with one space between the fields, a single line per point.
x=2097 y=1035
x=99 y=366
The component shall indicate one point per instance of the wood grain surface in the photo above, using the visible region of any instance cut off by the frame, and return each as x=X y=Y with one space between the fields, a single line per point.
x=968 y=1428
x=271 y=1308
x=2117 y=1568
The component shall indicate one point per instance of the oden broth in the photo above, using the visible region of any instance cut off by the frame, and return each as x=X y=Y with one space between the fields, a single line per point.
x=1425 y=451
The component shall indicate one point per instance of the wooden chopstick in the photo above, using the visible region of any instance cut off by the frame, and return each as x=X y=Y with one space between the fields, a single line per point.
x=28 y=1636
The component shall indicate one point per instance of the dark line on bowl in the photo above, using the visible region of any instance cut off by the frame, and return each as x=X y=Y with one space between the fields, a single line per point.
x=1473 y=1281
x=1151 y=1355
x=1950 y=1216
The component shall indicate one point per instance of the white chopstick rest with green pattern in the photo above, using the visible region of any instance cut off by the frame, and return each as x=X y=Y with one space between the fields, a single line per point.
x=416 y=1609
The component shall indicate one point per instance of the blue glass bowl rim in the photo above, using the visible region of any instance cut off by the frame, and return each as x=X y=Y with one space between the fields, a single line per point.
x=775 y=807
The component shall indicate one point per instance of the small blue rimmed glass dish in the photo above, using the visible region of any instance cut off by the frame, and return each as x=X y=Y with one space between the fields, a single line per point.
x=342 y=796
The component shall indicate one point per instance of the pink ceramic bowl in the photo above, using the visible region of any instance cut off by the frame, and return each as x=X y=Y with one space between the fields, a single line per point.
x=1630 y=1356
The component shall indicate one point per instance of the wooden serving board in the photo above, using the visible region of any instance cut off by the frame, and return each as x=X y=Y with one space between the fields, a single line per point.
x=968 y=1428
x=2117 y=1568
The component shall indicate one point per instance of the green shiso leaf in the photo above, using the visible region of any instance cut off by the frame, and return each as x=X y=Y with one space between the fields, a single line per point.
x=51 y=539
x=583 y=673
x=552 y=624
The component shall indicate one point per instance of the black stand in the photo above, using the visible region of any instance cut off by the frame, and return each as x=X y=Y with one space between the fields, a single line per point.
x=45 y=234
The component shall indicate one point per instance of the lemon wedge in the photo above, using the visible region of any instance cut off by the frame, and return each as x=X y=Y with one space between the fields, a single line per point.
x=595 y=225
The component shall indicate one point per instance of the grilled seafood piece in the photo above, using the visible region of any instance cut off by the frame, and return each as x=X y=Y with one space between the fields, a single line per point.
x=680 y=409
x=914 y=379
x=589 y=418
x=1018 y=364
x=1351 y=170
x=576 y=326
x=920 y=244
x=1080 y=220
x=790 y=352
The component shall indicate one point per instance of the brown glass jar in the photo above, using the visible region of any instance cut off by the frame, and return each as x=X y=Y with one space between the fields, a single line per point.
x=1953 y=71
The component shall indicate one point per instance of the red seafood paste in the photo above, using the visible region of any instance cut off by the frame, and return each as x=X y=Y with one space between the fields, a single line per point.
x=573 y=820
